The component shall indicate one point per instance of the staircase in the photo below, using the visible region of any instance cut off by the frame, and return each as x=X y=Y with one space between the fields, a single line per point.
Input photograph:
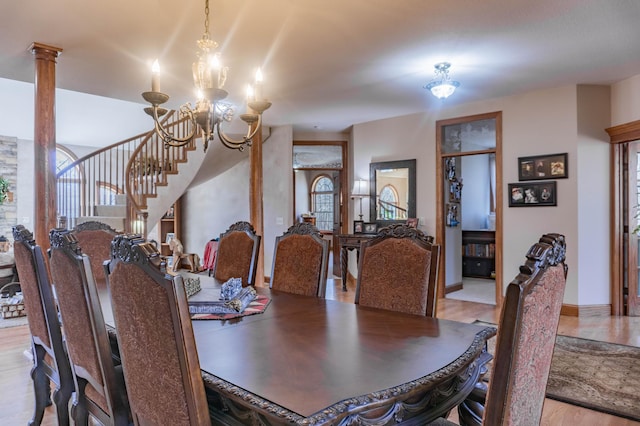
x=114 y=215
x=130 y=183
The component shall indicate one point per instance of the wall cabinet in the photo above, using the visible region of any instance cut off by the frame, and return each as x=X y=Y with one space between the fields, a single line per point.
x=478 y=253
x=170 y=223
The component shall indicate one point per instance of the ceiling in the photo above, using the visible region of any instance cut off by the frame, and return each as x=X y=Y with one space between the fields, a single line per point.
x=327 y=64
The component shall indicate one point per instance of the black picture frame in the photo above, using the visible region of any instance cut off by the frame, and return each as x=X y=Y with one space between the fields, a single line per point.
x=543 y=167
x=358 y=226
x=533 y=194
x=370 y=228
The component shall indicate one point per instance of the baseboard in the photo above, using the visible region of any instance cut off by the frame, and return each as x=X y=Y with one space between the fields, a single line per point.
x=586 y=310
x=453 y=287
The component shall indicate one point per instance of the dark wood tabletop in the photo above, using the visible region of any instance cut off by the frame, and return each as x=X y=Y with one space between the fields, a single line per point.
x=307 y=360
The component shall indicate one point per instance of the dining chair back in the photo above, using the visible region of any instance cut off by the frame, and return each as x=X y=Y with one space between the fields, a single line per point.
x=525 y=342
x=398 y=271
x=100 y=389
x=237 y=254
x=300 y=261
x=155 y=337
x=95 y=239
x=50 y=361
x=527 y=335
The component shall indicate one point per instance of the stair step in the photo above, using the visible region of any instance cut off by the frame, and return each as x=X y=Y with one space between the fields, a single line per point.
x=117 y=210
x=116 y=223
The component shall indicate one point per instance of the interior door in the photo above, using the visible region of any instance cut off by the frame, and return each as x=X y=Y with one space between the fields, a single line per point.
x=337 y=221
x=632 y=229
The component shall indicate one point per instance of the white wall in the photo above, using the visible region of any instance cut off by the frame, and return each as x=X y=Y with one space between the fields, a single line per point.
x=278 y=189
x=475 y=191
x=625 y=101
x=593 y=189
x=302 y=183
x=211 y=207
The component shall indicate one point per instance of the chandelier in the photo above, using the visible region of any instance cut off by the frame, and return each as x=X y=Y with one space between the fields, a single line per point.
x=209 y=77
x=442 y=86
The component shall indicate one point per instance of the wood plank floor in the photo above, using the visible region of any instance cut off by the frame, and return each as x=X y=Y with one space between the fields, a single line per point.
x=16 y=393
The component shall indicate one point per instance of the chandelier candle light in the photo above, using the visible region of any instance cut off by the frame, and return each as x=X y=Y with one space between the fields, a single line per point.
x=209 y=77
x=442 y=86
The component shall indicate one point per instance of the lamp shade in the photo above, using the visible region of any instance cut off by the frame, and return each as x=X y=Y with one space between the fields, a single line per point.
x=360 y=188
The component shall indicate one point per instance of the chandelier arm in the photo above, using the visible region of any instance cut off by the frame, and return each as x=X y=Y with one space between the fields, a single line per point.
x=239 y=143
x=167 y=137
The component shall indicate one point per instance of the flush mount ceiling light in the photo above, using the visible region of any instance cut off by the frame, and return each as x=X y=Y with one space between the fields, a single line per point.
x=442 y=86
x=209 y=76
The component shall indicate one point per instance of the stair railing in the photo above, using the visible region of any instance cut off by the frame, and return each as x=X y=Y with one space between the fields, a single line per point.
x=149 y=167
x=97 y=178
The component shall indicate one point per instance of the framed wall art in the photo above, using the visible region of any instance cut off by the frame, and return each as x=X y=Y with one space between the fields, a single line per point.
x=533 y=194
x=541 y=167
x=370 y=228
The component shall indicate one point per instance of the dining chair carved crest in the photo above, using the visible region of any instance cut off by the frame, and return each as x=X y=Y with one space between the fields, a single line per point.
x=237 y=254
x=50 y=361
x=525 y=342
x=300 y=261
x=398 y=271
x=99 y=384
x=95 y=239
x=150 y=310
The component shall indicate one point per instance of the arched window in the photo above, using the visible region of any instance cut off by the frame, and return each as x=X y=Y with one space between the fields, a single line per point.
x=389 y=203
x=322 y=202
x=68 y=188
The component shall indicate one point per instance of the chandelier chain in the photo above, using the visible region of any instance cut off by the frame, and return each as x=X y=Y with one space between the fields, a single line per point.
x=206 y=20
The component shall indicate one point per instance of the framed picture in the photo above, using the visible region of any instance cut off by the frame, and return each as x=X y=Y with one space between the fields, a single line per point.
x=533 y=194
x=455 y=191
x=541 y=167
x=370 y=228
x=412 y=222
x=169 y=237
x=358 y=226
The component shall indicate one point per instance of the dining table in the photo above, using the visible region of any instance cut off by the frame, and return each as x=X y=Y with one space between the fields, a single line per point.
x=312 y=361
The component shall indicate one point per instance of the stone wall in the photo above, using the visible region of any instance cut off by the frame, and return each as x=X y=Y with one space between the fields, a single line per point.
x=9 y=171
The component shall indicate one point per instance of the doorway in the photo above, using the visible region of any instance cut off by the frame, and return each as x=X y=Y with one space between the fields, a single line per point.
x=320 y=188
x=469 y=200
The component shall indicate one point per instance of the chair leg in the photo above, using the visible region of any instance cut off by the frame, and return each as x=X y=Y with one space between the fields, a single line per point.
x=41 y=391
x=61 y=398
x=79 y=411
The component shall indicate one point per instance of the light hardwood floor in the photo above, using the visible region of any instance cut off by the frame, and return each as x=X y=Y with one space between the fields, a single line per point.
x=16 y=393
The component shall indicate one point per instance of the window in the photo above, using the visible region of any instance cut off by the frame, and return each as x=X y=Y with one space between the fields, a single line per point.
x=389 y=208
x=68 y=188
x=322 y=202
x=106 y=193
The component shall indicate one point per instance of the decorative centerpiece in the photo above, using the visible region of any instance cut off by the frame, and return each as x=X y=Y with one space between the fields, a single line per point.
x=192 y=286
x=233 y=299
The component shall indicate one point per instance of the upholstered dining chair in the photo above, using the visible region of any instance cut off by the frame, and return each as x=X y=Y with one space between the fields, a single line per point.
x=155 y=337
x=237 y=255
x=100 y=389
x=95 y=239
x=398 y=271
x=300 y=261
x=525 y=341
x=50 y=361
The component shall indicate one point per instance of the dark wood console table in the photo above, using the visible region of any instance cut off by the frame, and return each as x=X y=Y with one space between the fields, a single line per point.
x=350 y=242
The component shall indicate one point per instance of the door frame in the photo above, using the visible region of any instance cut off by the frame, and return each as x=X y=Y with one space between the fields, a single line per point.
x=440 y=201
x=618 y=135
x=344 y=173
